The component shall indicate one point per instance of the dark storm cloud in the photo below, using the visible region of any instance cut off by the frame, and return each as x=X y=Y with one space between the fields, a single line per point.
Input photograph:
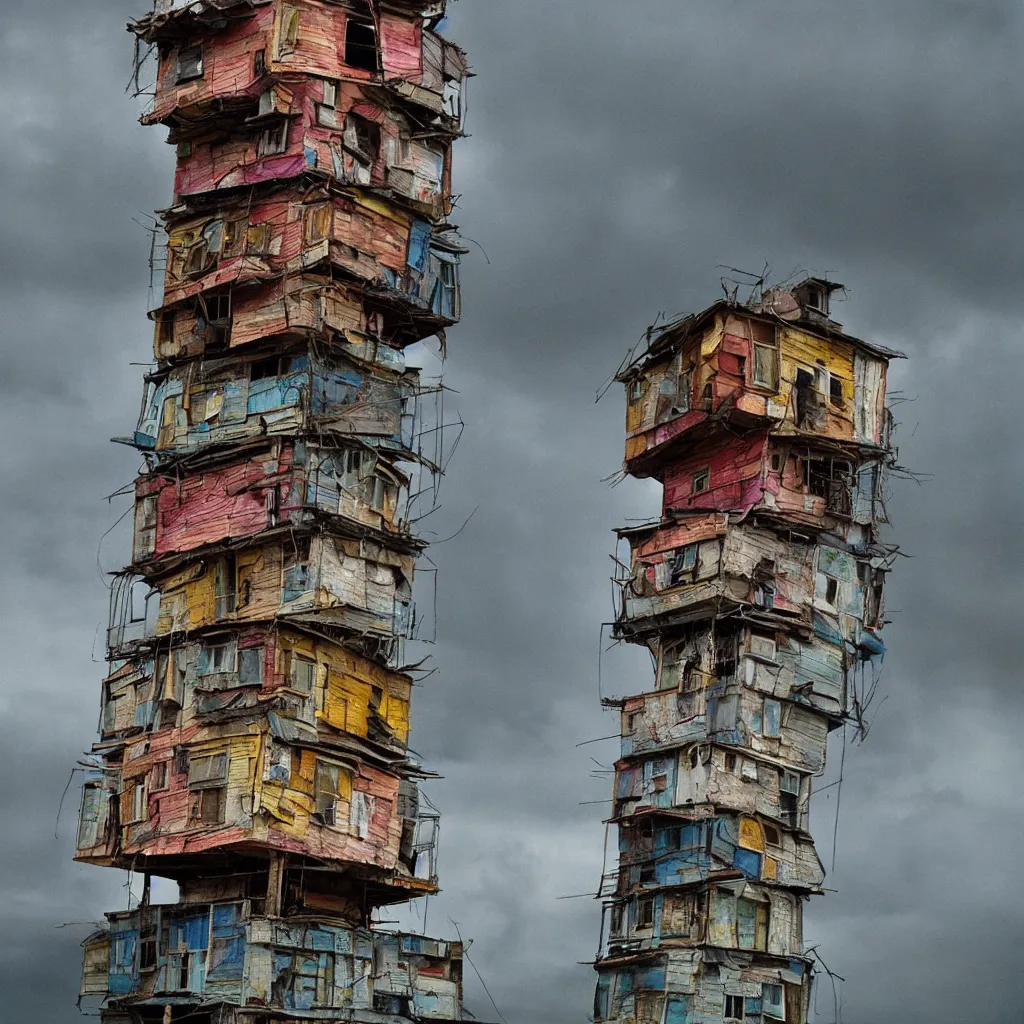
x=619 y=152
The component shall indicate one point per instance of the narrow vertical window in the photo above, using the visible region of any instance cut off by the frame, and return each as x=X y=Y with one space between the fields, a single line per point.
x=361 y=44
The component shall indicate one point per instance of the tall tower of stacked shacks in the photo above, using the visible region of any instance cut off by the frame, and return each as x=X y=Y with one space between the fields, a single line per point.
x=758 y=593
x=255 y=716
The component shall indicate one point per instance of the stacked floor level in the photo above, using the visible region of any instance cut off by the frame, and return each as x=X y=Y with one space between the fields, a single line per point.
x=758 y=593
x=255 y=717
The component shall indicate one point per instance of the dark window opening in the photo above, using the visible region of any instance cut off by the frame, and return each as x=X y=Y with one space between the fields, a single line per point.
x=764 y=584
x=190 y=63
x=617 y=918
x=772 y=836
x=250 y=666
x=830 y=479
x=259 y=63
x=835 y=389
x=734 y=1007
x=776 y=462
x=360 y=45
x=831 y=590
x=730 y=762
x=874 y=601
x=788 y=805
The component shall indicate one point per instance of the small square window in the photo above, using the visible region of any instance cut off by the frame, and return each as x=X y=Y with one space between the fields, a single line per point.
x=772 y=835
x=190 y=63
x=701 y=480
x=210 y=806
x=789 y=782
x=302 y=673
x=360 y=44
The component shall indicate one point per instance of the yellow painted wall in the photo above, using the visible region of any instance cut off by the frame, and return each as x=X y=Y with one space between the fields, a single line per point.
x=346 y=685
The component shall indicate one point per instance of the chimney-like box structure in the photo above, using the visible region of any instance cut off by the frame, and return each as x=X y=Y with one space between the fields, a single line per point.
x=758 y=593
x=255 y=716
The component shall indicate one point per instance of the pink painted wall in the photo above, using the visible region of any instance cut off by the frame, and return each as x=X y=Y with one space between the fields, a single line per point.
x=735 y=475
x=220 y=504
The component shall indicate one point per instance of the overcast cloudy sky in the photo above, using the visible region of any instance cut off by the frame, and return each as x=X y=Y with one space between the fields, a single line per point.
x=619 y=152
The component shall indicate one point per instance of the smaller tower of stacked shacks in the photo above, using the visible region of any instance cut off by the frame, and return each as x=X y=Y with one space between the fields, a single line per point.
x=256 y=712
x=758 y=593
